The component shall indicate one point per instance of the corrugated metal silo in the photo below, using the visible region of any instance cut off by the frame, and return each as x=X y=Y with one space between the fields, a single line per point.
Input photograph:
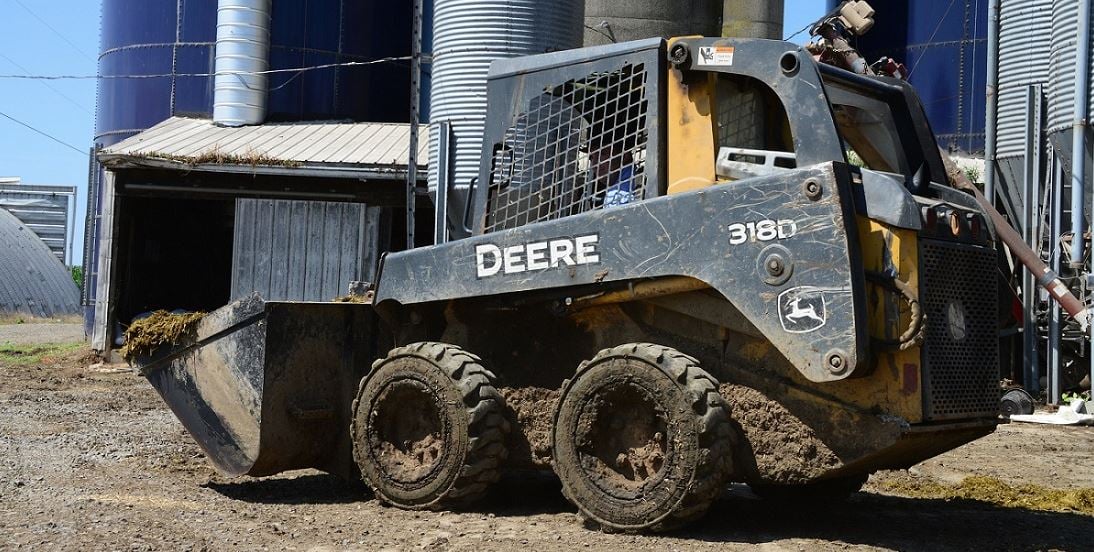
x=32 y=280
x=608 y=21
x=467 y=36
x=944 y=45
x=242 y=59
x=1061 y=66
x=1023 y=60
x=1024 y=28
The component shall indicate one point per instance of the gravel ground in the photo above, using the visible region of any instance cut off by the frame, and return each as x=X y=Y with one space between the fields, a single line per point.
x=36 y=334
x=91 y=459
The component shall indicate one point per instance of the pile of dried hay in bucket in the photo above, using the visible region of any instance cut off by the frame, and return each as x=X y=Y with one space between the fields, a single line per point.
x=160 y=328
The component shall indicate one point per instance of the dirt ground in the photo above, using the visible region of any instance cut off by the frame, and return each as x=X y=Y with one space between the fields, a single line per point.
x=92 y=459
x=35 y=333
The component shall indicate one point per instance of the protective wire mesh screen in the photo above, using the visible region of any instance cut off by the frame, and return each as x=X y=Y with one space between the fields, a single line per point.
x=959 y=298
x=576 y=147
x=740 y=115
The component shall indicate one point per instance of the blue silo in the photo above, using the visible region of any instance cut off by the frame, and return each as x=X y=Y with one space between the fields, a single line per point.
x=944 y=45
x=176 y=40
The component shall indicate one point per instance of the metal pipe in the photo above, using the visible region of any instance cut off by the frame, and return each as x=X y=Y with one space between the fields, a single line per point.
x=70 y=231
x=1046 y=277
x=242 y=55
x=1078 y=144
x=440 y=220
x=1054 y=308
x=415 y=114
x=1029 y=216
x=1078 y=138
x=992 y=93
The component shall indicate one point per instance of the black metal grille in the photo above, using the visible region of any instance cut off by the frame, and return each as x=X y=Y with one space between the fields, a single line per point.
x=578 y=146
x=959 y=296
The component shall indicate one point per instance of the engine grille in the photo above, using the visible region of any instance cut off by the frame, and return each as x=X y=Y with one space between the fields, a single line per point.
x=959 y=296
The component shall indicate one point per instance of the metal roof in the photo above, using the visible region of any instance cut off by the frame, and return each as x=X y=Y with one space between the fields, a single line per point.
x=32 y=280
x=370 y=150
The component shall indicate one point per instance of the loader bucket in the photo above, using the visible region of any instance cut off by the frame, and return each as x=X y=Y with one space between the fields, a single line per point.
x=266 y=386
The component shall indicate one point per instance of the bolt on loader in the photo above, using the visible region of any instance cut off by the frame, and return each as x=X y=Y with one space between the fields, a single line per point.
x=667 y=277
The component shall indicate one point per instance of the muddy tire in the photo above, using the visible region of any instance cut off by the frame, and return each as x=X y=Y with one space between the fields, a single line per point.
x=642 y=439
x=827 y=490
x=428 y=430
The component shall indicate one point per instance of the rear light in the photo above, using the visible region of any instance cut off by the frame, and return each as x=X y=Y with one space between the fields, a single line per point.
x=975 y=226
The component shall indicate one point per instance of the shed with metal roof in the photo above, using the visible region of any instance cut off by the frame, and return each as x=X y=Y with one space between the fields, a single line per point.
x=195 y=215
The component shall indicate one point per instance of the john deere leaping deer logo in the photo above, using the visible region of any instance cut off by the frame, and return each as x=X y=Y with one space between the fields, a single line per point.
x=802 y=309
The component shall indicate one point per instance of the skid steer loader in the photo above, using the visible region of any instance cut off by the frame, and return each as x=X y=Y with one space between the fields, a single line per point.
x=669 y=278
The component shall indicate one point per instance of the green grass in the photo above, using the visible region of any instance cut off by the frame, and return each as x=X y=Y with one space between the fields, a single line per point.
x=16 y=318
x=26 y=355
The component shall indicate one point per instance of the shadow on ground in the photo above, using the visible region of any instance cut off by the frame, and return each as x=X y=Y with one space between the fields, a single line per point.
x=738 y=517
x=303 y=489
x=893 y=522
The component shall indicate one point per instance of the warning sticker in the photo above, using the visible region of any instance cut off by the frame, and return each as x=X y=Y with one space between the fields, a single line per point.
x=716 y=55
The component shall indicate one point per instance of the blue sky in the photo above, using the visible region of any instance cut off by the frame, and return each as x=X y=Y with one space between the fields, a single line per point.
x=63 y=109
x=61 y=37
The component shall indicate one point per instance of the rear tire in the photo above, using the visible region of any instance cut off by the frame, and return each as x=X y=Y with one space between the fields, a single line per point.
x=642 y=439
x=428 y=430
x=826 y=490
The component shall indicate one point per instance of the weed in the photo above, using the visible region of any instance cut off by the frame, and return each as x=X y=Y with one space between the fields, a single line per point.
x=77 y=276
x=215 y=156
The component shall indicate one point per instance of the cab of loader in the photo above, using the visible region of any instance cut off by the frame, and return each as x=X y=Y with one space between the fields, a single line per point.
x=582 y=130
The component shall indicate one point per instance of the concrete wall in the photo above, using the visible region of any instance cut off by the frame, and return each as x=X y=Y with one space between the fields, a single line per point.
x=636 y=19
x=753 y=18
x=608 y=21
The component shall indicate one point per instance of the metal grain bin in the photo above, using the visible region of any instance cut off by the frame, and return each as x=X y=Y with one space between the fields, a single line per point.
x=1061 y=66
x=467 y=36
x=178 y=39
x=1024 y=26
x=242 y=59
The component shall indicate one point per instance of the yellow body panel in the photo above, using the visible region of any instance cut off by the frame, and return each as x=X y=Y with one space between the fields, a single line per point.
x=895 y=384
x=691 y=147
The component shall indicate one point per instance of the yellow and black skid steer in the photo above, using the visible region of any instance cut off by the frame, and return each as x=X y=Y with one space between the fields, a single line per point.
x=666 y=277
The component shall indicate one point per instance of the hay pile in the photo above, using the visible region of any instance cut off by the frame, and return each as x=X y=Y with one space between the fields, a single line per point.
x=994 y=491
x=161 y=328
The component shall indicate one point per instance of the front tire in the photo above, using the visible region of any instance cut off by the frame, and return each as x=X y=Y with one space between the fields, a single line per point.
x=428 y=430
x=642 y=439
